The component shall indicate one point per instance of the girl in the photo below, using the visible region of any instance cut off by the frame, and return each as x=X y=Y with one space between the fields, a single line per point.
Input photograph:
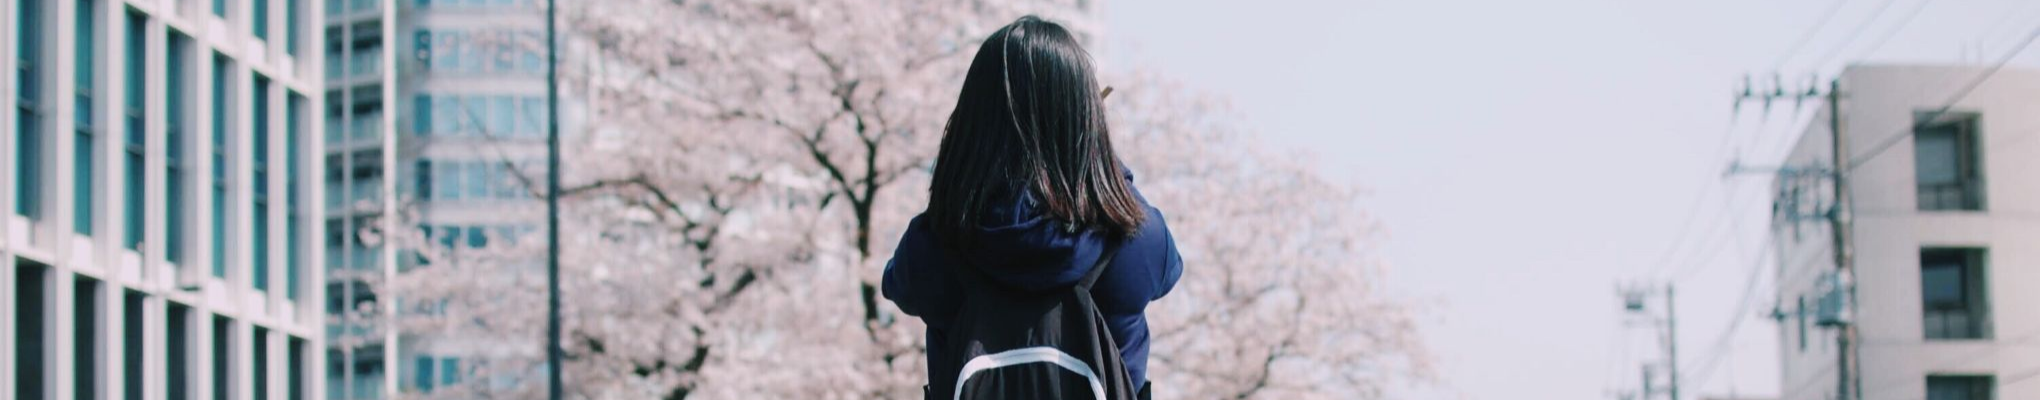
x=1028 y=191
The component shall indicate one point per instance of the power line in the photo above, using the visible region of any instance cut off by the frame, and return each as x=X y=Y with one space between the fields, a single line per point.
x=1902 y=24
x=1693 y=213
x=1725 y=344
x=1858 y=32
x=1974 y=83
x=2013 y=14
x=1829 y=15
x=1732 y=235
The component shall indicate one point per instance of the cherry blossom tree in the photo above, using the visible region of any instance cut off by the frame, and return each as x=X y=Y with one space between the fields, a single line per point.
x=1281 y=295
x=748 y=165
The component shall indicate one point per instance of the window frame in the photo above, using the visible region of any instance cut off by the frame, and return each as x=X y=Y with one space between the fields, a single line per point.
x=1971 y=319
x=1987 y=384
x=1970 y=185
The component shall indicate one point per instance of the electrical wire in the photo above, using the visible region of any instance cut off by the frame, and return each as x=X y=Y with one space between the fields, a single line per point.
x=1858 y=32
x=1693 y=212
x=1829 y=15
x=1888 y=34
x=1724 y=344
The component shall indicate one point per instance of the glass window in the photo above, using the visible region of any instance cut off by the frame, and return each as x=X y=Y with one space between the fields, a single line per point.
x=468 y=116
x=132 y=332
x=425 y=181
x=81 y=156
x=424 y=43
x=260 y=200
x=503 y=112
x=291 y=26
x=31 y=354
x=222 y=356
x=446 y=180
x=294 y=211
x=294 y=363
x=478 y=179
x=1946 y=166
x=175 y=84
x=177 y=352
x=425 y=369
x=85 y=339
x=533 y=57
x=1801 y=314
x=422 y=122
x=28 y=116
x=449 y=371
x=260 y=373
x=1960 y=387
x=1953 y=302
x=506 y=181
x=260 y=21
x=135 y=96
x=219 y=8
x=221 y=102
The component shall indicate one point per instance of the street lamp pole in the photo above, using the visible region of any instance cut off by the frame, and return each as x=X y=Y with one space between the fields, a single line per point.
x=552 y=202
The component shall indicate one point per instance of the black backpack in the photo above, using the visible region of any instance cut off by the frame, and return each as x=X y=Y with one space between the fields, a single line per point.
x=1012 y=344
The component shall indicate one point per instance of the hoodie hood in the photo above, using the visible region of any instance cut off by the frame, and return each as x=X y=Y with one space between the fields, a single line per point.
x=1018 y=246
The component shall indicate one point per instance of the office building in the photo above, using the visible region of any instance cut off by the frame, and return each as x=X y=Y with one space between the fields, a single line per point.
x=158 y=219
x=433 y=106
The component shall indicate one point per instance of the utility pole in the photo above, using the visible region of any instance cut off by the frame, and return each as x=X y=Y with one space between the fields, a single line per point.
x=1848 y=380
x=1666 y=330
x=1672 y=343
x=552 y=203
x=1648 y=387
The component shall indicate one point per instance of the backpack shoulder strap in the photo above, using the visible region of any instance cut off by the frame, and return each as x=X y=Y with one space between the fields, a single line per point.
x=1104 y=260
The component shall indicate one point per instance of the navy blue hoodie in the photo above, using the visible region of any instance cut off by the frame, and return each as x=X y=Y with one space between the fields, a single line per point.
x=1019 y=247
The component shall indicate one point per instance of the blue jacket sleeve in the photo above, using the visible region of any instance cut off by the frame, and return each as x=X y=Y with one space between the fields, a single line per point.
x=916 y=278
x=1172 y=262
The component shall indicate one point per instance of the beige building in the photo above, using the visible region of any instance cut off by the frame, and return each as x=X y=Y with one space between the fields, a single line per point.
x=1946 y=232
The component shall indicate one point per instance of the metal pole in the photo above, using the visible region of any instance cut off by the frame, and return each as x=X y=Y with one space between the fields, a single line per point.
x=1672 y=345
x=552 y=203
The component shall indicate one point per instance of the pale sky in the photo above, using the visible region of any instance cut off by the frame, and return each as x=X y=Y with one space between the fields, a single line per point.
x=1526 y=156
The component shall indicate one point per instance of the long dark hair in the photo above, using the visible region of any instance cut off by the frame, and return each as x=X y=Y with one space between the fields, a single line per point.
x=1030 y=120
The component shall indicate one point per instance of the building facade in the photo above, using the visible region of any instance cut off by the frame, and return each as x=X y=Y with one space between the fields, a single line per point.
x=158 y=223
x=473 y=115
x=1944 y=205
x=360 y=74
x=435 y=107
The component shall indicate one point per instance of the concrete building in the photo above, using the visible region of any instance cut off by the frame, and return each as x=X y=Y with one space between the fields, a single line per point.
x=1945 y=211
x=431 y=105
x=158 y=223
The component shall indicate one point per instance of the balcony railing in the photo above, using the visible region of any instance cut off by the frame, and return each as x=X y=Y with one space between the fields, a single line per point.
x=363 y=63
x=356 y=194
x=367 y=128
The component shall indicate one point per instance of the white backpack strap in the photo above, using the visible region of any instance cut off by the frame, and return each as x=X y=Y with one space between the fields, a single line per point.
x=1029 y=355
